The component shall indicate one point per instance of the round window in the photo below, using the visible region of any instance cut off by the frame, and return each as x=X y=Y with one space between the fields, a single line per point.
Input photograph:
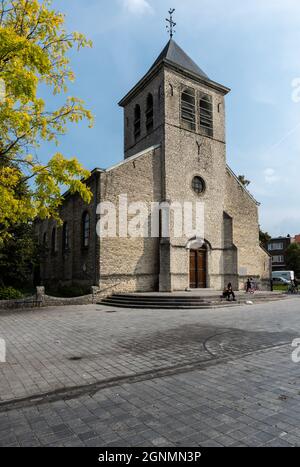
x=198 y=185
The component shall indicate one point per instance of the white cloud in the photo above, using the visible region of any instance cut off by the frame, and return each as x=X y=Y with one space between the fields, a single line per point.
x=270 y=176
x=137 y=6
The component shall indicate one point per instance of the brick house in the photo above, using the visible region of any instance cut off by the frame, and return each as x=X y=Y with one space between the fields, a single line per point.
x=297 y=238
x=277 y=248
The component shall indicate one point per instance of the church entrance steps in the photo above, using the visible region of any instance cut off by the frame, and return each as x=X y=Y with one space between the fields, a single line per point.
x=186 y=300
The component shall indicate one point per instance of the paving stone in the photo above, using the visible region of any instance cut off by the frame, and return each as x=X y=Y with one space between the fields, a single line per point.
x=233 y=403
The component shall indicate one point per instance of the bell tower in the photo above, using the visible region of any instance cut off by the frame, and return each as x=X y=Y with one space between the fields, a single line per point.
x=177 y=106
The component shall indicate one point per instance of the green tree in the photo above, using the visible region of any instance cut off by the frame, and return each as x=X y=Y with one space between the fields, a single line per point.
x=19 y=254
x=292 y=258
x=34 y=51
x=264 y=238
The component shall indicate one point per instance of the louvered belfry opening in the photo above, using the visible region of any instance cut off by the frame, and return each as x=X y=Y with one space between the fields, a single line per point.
x=188 y=114
x=206 y=115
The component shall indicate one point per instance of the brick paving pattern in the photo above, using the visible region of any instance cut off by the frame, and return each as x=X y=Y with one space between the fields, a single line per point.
x=249 y=399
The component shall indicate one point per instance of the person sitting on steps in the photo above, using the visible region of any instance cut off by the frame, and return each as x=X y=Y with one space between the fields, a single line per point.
x=228 y=292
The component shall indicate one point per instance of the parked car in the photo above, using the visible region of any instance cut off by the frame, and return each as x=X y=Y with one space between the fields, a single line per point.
x=289 y=275
x=281 y=281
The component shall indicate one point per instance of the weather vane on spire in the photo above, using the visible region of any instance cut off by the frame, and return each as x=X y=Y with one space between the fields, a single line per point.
x=170 y=27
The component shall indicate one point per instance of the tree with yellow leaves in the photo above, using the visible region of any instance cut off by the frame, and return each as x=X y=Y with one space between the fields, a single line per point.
x=34 y=50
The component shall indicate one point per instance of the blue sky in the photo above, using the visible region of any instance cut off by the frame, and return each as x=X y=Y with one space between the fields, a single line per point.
x=251 y=47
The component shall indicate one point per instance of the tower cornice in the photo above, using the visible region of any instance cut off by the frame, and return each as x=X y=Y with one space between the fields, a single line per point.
x=170 y=65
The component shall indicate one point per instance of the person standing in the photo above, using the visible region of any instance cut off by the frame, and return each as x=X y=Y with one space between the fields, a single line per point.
x=248 y=285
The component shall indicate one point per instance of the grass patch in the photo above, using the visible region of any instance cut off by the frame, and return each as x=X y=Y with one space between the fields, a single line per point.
x=280 y=288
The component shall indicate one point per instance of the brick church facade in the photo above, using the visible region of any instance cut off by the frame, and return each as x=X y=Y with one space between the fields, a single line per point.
x=175 y=150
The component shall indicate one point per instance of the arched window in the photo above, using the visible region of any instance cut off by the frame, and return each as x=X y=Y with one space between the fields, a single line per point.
x=188 y=113
x=85 y=230
x=65 y=235
x=45 y=240
x=149 y=113
x=137 y=121
x=53 y=241
x=206 y=115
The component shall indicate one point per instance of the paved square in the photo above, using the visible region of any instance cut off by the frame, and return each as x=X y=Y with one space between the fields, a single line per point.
x=151 y=378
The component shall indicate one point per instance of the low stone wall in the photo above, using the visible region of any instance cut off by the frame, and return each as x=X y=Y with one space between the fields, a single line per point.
x=40 y=299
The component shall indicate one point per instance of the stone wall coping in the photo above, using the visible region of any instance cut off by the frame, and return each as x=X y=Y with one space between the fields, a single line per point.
x=242 y=186
x=135 y=156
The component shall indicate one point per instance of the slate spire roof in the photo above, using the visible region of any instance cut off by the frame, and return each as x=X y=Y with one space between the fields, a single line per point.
x=174 y=54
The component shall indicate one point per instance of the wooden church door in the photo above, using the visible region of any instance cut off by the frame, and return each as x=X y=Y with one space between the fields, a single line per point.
x=198 y=269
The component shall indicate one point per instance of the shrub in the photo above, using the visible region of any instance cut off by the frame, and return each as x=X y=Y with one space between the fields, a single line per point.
x=9 y=293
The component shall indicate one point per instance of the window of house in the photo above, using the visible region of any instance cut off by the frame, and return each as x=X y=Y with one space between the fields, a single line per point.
x=137 y=121
x=278 y=259
x=85 y=229
x=53 y=241
x=65 y=236
x=188 y=114
x=149 y=113
x=206 y=115
x=275 y=246
x=198 y=185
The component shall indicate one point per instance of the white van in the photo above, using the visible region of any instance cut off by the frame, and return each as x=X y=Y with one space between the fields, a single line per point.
x=288 y=275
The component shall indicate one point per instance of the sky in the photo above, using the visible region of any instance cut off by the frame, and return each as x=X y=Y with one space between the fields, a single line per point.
x=251 y=47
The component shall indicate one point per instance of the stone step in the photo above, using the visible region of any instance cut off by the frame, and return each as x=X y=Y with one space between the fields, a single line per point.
x=160 y=301
x=214 y=298
x=166 y=306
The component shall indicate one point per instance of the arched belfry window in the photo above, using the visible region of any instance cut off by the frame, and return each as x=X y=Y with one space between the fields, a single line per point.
x=206 y=115
x=149 y=113
x=188 y=106
x=66 y=236
x=137 y=121
x=85 y=229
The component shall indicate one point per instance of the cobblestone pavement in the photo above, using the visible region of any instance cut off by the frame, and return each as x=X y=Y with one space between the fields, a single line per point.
x=65 y=347
x=252 y=401
x=150 y=377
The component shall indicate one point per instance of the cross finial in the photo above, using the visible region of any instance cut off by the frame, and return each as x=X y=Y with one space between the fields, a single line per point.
x=170 y=27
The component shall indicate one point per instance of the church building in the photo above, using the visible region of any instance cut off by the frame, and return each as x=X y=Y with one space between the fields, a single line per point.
x=175 y=151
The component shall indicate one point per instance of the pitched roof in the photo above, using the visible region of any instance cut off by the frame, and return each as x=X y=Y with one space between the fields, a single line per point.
x=174 y=54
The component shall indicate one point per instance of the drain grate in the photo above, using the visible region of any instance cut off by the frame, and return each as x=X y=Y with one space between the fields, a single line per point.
x=75 y=359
